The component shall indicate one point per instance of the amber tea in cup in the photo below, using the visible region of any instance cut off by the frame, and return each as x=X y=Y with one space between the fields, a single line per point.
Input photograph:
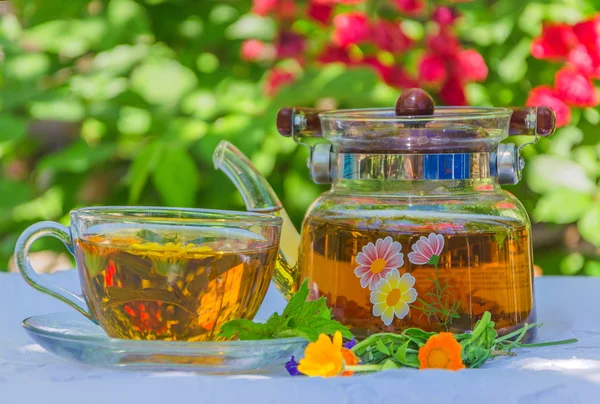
x=169 y=274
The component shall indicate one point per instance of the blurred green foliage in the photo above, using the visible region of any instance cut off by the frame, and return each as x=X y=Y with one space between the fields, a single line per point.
x=122 y=102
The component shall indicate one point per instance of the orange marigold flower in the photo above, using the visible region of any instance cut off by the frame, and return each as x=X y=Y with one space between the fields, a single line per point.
x=441 y=351
x=326 y=357
x=349 y=360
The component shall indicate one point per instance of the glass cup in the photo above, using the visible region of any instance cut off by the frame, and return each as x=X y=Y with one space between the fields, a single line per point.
x=160 y=273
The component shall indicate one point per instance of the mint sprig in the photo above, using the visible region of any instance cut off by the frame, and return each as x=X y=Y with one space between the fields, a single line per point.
x=300 y=318
x=385 y=350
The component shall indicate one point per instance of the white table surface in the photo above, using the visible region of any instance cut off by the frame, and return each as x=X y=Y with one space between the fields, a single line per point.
x=569 y=307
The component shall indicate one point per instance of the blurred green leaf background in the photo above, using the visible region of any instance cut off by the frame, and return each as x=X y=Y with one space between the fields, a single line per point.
x=123 y=101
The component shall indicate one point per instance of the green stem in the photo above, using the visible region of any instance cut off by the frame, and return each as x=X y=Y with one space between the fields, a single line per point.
x=363 y=368
x=551 y=343
x=527 y=327
x=375 y=337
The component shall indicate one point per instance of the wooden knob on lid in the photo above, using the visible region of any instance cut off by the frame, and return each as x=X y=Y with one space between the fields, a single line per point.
x=414 y=102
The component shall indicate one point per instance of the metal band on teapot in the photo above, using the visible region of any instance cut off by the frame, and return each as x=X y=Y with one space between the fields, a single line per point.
x=445 y=166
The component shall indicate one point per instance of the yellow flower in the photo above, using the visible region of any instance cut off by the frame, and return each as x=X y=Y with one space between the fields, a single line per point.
x=324 y=358
x=441 y=351
x=392 y=296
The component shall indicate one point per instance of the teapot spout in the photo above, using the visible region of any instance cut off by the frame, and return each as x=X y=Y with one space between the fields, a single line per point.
x=260 y=197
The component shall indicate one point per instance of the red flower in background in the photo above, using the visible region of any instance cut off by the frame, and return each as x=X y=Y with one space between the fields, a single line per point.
x=394 y=75
x=545 y=95
x=444 y=43
x=389 y=36
x=472 y=66
x=275 y=79
x=432 y=69
x=586 y=56
x=335 y=54
x=289 y=45
x=253 y=50
x=445 y=16
x=350 y=28
x=578 y=46
x=448 y=65
x=284 y=9
x=334 y=2
x=410 y=7
x=453 y=92
x=575 y=89
x=320 y=12
x=584 y=61
x=264 y=7
x=555 y=42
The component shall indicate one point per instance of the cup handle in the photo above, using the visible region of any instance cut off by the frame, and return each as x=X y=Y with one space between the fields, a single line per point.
x=24 y=242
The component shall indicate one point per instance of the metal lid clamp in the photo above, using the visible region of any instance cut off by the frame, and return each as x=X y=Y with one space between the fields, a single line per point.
x=303 y=125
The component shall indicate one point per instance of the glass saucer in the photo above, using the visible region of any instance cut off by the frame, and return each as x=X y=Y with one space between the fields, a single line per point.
x=72 y=336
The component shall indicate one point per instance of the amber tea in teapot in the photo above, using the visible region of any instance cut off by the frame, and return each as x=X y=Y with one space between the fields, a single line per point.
x=477 y=269
x=416 y=230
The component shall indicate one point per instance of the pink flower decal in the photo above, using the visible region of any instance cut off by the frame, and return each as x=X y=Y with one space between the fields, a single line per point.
x=427 y=250
x=376 y=260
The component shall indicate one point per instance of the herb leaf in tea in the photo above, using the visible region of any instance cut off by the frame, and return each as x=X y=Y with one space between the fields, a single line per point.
x=299 y=319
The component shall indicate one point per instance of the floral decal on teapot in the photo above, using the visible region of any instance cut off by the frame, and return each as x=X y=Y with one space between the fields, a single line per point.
x=377 y=260
x=427 y=250
x=392 y=294
x=440 y=304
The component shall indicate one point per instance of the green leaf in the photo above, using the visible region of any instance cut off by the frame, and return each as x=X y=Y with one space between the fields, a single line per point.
x=474 y=356
x=11 y=128
x=99 y=86
x=389 y=364
x=252 y=26
x=572 y=264
x=275 y=321
x=564 y=139
x=589 y=225
x=306 y=332
x=143 y=165
x=163 y=81
x=245 y=330
x=296 y=303
x=547 y=173
x=78 y=157
x=27 y=66
x=401 y=353
x=46 y=207
x=382 y=348
x=303 y=319
x=324 y=326
x=562 y=207
x=58 y=109
x=70 y=38
x=417 y=335
x=36 y=11
x=176 y=177
x=513 y=67
x=201 y=103
x=185 y=131
x=134 y=121
x=129 y=17
x=120 y=59
x=589 y=159
x=592 y=268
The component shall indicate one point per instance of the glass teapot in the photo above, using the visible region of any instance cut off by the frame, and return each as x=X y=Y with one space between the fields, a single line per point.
x=415 y=231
